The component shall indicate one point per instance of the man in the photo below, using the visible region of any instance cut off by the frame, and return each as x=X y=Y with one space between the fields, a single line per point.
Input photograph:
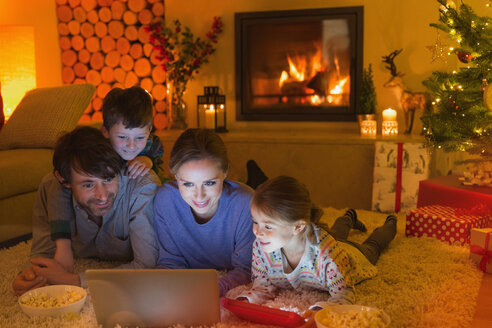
x=112 y=216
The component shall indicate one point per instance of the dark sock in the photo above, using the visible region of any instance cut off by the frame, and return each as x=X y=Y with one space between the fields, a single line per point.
x=356 y=224
x=255 y=174
x=391 y=218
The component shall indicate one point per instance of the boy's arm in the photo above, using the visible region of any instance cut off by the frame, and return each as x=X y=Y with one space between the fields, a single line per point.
x=154 y=151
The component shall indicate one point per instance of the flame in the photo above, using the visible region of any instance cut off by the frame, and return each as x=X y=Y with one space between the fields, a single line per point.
x=297 y=70
x=304 y=68
x=283 y=77
x=338 y=89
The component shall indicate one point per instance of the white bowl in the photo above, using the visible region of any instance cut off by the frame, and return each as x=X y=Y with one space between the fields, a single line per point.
x=340 y=309
x=53 y=291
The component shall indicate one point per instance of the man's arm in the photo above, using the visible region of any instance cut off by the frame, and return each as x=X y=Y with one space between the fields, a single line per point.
x=141 y=228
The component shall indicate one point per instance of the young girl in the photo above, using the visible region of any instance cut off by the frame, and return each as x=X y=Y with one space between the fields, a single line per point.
x=292 y=251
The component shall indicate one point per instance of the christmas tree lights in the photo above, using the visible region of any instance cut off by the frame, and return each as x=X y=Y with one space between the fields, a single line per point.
x=461 y=119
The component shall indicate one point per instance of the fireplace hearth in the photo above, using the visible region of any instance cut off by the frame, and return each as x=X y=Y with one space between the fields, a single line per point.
x=299 y=65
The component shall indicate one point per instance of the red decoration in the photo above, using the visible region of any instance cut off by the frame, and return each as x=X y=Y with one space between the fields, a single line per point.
x=464 y=57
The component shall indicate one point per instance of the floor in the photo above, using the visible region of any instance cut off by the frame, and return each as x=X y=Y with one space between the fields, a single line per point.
x=483 y=313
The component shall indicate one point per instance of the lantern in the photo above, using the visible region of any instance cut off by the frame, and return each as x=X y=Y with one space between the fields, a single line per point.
x=211 y=111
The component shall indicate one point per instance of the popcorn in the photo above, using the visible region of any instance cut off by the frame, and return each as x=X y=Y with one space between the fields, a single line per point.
x=352 y=319
x=41 y=300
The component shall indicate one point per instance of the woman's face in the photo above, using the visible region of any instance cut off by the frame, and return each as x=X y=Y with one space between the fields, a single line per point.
x=200 y=183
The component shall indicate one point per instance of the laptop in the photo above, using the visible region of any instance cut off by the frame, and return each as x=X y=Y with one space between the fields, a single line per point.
x=154 y=297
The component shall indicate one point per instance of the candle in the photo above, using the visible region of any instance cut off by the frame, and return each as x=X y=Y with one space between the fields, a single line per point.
x=390 y=128
x=389 y=114
x=210 y=118
x=368 y=128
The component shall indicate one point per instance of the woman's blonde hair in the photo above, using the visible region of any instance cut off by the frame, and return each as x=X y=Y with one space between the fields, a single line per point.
x=286 y=199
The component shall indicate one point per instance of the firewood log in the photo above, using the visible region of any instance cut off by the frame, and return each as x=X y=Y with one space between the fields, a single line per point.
x=84 y=56
x=80 y=69
x=80 y=14
x=159 y=92
x=131 y=33
x=77 y=42
x=74 y=27
x=67 y=75
x=64 y=43
x=136 y=50
x=63 y=29
x=97 y=61
x=158 y=74
x=122 y=46
x=160 y=121
x=119 y=74
x=64 y=13
x=92 y=44
x=88 y=5
x=142 y=67
x=115 y=29
x=131 y=79
x=102 y=90
x=147 y=84
x=107 y=44
x=86 y=29
x=107 y=74
x=117 y=10
x=93 y=77
x=92 y=16
x=68 y=57
x=112 y=58
x=136 y=5
x=104 y=14
x=127 y=62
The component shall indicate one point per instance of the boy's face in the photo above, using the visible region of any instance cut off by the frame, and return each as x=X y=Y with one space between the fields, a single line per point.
x=127 y=142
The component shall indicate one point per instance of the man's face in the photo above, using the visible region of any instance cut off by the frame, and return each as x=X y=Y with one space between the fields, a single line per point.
x=128 y=143
x=94 y=194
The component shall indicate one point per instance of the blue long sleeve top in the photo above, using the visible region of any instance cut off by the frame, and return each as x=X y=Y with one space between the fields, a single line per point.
x=222 y=243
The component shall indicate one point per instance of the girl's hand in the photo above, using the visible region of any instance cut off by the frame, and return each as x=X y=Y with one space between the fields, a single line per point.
x=139 y=166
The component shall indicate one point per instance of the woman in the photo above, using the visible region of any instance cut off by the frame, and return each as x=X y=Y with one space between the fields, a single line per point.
x=202 y=220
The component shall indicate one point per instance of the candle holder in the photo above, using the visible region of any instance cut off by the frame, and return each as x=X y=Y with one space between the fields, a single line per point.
x=368 y=128
x=390 y=128
x=211 y=111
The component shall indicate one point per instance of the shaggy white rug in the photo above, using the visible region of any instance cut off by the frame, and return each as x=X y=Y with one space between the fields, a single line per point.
x=421 y=283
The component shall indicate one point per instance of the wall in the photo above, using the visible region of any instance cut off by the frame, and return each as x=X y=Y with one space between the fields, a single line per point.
x=42 y=16
x=388 y=25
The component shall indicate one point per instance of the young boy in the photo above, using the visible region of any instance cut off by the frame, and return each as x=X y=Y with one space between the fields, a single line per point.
x=127 y=123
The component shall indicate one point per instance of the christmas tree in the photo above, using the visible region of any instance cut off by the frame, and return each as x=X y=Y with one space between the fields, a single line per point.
x=461 y=119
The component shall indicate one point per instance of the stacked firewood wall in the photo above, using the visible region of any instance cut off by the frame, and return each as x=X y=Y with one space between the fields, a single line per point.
x=103 y=42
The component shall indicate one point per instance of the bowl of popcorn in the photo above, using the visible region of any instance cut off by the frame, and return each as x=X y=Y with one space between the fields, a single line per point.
x=53 y=300
x=351 y=316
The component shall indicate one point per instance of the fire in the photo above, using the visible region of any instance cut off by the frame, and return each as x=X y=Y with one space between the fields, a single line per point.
x=320 y=83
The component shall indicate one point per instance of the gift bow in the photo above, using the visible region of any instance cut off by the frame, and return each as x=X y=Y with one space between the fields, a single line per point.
x=486 y=254
x=478 y=210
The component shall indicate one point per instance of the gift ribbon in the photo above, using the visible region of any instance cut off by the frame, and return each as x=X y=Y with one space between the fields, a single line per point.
x=399 y=164
x=486 y=254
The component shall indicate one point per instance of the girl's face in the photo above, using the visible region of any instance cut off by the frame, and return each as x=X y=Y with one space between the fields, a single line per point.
x=274 y=234
x=200 y=183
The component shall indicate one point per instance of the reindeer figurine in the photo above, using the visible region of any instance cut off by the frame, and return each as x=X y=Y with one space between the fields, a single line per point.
x=410 y=101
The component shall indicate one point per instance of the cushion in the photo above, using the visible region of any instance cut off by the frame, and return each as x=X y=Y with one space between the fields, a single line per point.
x=21 y=170
x=44 y=114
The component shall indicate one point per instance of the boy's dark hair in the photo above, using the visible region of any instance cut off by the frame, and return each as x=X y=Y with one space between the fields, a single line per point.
x=132 y=107
x=86 y=150
x=197 y=144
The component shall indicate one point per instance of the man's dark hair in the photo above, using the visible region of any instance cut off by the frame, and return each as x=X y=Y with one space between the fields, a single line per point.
x=132 y=107
x=86 y=150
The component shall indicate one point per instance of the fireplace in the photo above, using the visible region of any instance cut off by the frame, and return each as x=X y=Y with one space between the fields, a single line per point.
x=298 y=65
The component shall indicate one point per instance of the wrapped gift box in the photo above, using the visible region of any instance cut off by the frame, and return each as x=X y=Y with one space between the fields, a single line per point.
x=481 y=248
x=449 y=191
x=398 y=169
x=444 y=223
